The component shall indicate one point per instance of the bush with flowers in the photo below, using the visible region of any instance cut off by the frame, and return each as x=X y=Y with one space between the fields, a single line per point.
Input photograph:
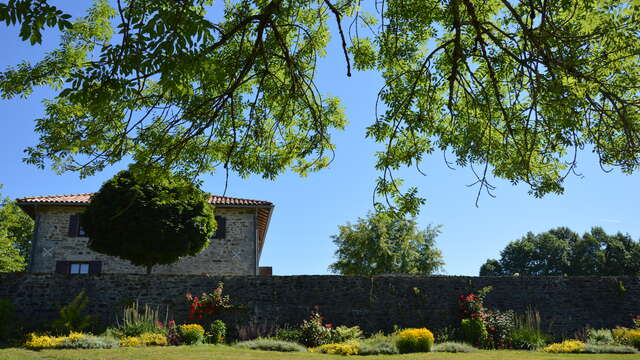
x=208 y=305
x=473 y=316
x=173 y=337
x=191 y=334
x=415 y=340
x=313 y=332
x=500 y=325
x=471 y=306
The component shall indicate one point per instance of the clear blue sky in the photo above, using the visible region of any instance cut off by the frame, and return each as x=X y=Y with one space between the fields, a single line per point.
x=308 y=210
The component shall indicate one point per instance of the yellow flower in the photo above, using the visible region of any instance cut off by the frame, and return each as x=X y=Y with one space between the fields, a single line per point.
x=191 y=328
x=567 y=346
x=75 y=336
x=153 y=339
x=43 y=342
x=415 y=340
x=131 y=341
x=345 y=348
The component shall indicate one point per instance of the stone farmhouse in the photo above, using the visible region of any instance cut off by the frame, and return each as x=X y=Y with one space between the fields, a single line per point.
x=59 y=243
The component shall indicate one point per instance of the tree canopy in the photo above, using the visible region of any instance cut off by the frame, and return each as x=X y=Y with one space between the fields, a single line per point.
x=512 y=89
x=148 y=222
x=16 y=229
x=563 y=252
x=383 y=244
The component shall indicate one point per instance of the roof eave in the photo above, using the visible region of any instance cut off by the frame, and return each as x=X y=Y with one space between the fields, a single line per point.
x=266 y=229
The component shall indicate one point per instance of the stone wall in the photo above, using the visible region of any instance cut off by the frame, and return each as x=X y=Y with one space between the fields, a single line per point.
x=374 y=303
x=233 y=255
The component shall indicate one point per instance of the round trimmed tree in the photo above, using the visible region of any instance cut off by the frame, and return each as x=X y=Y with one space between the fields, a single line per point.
x=151 y=220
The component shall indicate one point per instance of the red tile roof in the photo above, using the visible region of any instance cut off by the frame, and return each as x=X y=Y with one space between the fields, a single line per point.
x=83 y=199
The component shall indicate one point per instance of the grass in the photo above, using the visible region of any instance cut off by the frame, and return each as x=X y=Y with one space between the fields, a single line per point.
x=221 y=352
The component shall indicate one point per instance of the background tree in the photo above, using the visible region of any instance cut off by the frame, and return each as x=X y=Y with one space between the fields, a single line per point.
x=16 y=229
x=512 y=89
x=148 y=223
x=563 y=252
x=383 y=244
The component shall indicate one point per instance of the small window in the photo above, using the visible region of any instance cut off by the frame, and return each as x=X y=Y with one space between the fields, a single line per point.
x=79 y=268
x=75 y=229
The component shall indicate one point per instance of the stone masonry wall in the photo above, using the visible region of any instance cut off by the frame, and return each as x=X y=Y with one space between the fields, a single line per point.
x=233 y=255
x=374 y=303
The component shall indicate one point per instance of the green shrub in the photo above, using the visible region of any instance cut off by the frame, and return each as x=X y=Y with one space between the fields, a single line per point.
x=621 y=336
x=343 y=333
x=191 y=334
x=291 y=335
x=7 y=319
x=136 y=322
x=474 y=331
x=89 y=342
x=526 y=334
x=633 y=337
x=446 y=334
x=217 y=332
x=71 y=317
x=527 y=339
x=414 y=340
x=269 y=344
x=599 y=337
x=609 y=349
x=453 y=347
x=379 y=344
x=313 y=333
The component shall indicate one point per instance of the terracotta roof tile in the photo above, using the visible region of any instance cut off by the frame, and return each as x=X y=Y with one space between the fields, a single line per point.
x=83 y=199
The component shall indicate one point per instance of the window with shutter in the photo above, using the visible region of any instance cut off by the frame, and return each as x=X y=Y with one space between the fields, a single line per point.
x=221 y=228
x=95 y=267
x=74 y=225
x=62 y=267
x=75 y=229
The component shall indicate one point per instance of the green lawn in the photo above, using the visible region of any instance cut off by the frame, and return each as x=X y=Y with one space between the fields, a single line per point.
x=211 y=352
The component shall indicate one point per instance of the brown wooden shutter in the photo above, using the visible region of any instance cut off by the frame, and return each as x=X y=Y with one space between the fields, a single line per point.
x=62 y=267
x=74 y=225
x=221 y=230
x=95 y=267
